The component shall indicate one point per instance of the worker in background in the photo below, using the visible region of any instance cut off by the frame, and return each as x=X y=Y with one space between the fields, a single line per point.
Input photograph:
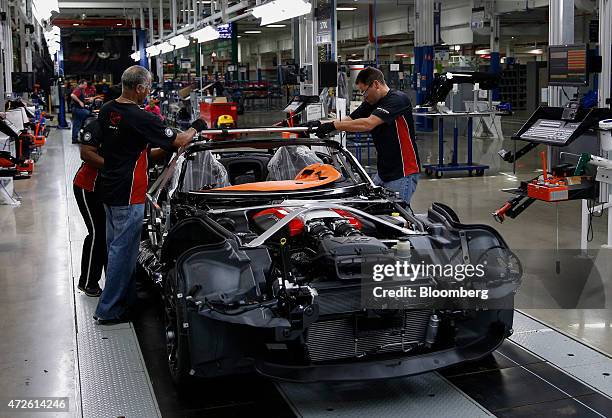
x=90 y=90
x=86 y=186
x=387 y=114
x=79 y=112
x=127 y=133
x=152 y=107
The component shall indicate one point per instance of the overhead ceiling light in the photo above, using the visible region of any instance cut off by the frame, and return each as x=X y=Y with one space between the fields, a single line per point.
x=136 y=56
x=208 y=33
x=345 y=9
x=179 y=41
x=278 y=10
x=252 y=31
x=119 y=24
x=276 y=26
x=238 y=36
x=457 y=48
x=354 y=59
x=152 y=50
x=75 y=24
x=483 y=51
x=536 y=51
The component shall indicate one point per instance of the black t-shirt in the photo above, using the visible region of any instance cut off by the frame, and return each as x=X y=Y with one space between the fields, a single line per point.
x=394 y=139
x=127 y=131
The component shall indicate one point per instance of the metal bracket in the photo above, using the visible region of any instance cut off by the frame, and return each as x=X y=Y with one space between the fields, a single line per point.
x=464 y=247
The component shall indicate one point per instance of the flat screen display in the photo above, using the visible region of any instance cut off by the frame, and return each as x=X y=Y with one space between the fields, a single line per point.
x=567 y=65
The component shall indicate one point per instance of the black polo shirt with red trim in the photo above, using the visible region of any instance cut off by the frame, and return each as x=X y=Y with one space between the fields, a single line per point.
x=394 y=139
x=127 y=133
x=87 y=177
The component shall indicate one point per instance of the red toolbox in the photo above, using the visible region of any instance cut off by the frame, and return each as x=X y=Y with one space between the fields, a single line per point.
x=210 y=112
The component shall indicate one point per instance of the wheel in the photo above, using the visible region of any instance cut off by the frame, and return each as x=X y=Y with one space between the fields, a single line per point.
x=177 y=342
x=428 y=171
x=470 y=173
x=480 y=172
x=439 y=174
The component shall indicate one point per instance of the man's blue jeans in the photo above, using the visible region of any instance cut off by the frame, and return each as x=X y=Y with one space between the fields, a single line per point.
x=78 y=117
x=405 y=186
x=123 y=229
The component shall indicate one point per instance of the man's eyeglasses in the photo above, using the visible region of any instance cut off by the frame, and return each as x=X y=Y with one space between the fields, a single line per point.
x=364 y=94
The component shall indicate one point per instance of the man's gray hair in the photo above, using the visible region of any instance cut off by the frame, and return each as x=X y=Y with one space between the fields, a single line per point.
x=134 y=76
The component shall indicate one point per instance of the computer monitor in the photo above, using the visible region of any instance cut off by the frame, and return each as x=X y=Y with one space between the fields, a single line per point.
x=568 y=65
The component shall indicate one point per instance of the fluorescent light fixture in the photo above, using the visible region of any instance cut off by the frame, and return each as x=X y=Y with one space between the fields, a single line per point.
x=278 y=10
x=276 y=26
x=75 y=24
x=165 y=47
x=207 y=33
x=354 y=59
x=483 y=51
x=252 y=31
x=345 y=9
x=136 y=56
x=536 y=51
x=152 y=50
x=238 y=36
x=179 y=41
x=119 y=24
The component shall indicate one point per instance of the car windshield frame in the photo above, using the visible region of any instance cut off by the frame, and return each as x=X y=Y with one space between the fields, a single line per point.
x=356 y=172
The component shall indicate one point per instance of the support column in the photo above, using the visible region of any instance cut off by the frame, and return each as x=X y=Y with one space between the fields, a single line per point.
x=604 y=92
x=423 y=56
x=142 y=44
x=235 y=58
x=495 y=59
x=8 y=51
x=61 y=117
x=3 y=42
x=605 y=50
x=174 y=16
x=560 y=32
x=160 y=31
x=151 y=30
x=308 y=51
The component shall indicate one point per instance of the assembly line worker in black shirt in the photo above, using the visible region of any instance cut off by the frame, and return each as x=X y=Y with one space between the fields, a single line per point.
x=387 y=114
x=127 y=133
x=86 y=186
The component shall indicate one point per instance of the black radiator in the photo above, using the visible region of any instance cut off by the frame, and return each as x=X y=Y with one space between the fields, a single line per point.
x=358 y=336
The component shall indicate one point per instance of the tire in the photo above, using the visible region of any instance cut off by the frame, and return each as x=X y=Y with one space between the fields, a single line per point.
x=439 y=174
x=480 y=172
x=177 y=340
x=428 y=171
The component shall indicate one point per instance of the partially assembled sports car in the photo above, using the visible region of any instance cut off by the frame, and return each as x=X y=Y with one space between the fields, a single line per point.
x=261 y=249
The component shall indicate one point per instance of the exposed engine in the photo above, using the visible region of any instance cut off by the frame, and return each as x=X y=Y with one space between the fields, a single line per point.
x=326 y=243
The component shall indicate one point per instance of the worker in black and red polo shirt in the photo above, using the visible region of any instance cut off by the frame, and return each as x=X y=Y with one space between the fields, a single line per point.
x=127 y=134
x=86 y=187
x=387 y=114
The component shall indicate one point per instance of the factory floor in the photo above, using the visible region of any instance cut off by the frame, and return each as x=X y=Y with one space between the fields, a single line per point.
x=37 y=238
